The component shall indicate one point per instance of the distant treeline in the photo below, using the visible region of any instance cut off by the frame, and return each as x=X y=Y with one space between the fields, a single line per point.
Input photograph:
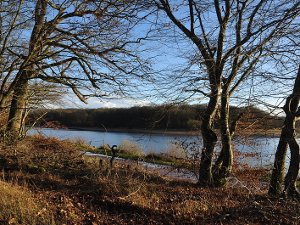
x=179 y=117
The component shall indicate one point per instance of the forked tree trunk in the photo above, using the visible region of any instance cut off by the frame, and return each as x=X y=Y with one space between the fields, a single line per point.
x=209 y=141
x=288 y=138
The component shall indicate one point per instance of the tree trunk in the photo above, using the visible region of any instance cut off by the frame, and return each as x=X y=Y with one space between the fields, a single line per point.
x=290 y=180
x=209 y=140
x=287 y=138
x=17 y=108
x=3 y=115
x=223 y=165
x=19 y=98
x=2 y=105
x=278 y=169
x=3 y=102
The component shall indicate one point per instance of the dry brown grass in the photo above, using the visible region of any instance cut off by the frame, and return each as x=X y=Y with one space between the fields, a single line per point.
x=85 y=190
x=131 y=148
x=18 y=206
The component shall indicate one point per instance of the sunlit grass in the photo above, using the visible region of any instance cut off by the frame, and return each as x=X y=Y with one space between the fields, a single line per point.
x=18 y=206
x=74 y=188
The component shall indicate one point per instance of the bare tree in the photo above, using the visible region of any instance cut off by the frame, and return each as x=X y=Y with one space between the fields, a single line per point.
x=12 y=20
x=83 y=45
x=230 y=39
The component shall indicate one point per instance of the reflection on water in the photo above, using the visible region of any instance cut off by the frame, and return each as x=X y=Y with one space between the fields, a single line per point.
x=148 y=142
x=263 y=147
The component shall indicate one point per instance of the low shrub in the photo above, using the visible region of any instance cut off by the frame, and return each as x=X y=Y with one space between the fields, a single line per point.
x=131 y=148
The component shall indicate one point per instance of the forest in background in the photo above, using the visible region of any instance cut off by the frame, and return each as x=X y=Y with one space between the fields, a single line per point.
x=179 y=117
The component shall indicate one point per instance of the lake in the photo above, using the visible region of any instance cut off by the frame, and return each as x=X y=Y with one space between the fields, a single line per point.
x=263 y=147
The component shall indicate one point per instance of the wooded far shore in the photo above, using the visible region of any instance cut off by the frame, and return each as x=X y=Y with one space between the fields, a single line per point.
x=169 y=119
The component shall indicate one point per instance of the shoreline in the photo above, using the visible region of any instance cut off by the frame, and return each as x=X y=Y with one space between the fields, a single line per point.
x=257 y=132
x=144 y=131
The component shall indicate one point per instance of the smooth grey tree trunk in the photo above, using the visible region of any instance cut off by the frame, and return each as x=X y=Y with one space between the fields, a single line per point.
x=277 y=176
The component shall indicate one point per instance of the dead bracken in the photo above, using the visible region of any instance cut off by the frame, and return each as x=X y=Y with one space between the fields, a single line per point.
x=67 y=187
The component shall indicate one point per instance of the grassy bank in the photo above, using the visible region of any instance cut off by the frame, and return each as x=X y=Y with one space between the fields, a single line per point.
x=57 y=184
x=132 y=151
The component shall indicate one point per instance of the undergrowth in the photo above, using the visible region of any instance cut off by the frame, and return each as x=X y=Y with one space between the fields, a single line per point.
x=49 y=181
x=130 y=150
x=19 y=206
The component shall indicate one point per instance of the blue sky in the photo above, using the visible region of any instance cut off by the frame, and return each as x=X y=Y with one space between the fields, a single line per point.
x=168 y=54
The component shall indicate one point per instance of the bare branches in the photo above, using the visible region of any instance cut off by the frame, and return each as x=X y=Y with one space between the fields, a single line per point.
x=65 y=39
x=192 y=19
x=218 y=11
x=249 y=37
x=82 y=45
x=253 y=16
x=189 y=33
x=231 y=39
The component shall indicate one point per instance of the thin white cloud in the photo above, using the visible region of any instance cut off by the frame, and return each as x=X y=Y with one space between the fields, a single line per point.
x=73 y=102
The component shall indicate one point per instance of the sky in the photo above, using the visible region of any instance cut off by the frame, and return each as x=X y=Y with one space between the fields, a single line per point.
x=167 y=54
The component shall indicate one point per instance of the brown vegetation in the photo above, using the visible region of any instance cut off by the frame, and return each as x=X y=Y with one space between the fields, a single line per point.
x=75 y=189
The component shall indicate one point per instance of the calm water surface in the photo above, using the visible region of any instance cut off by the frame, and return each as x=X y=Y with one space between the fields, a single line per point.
x=263 y=147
